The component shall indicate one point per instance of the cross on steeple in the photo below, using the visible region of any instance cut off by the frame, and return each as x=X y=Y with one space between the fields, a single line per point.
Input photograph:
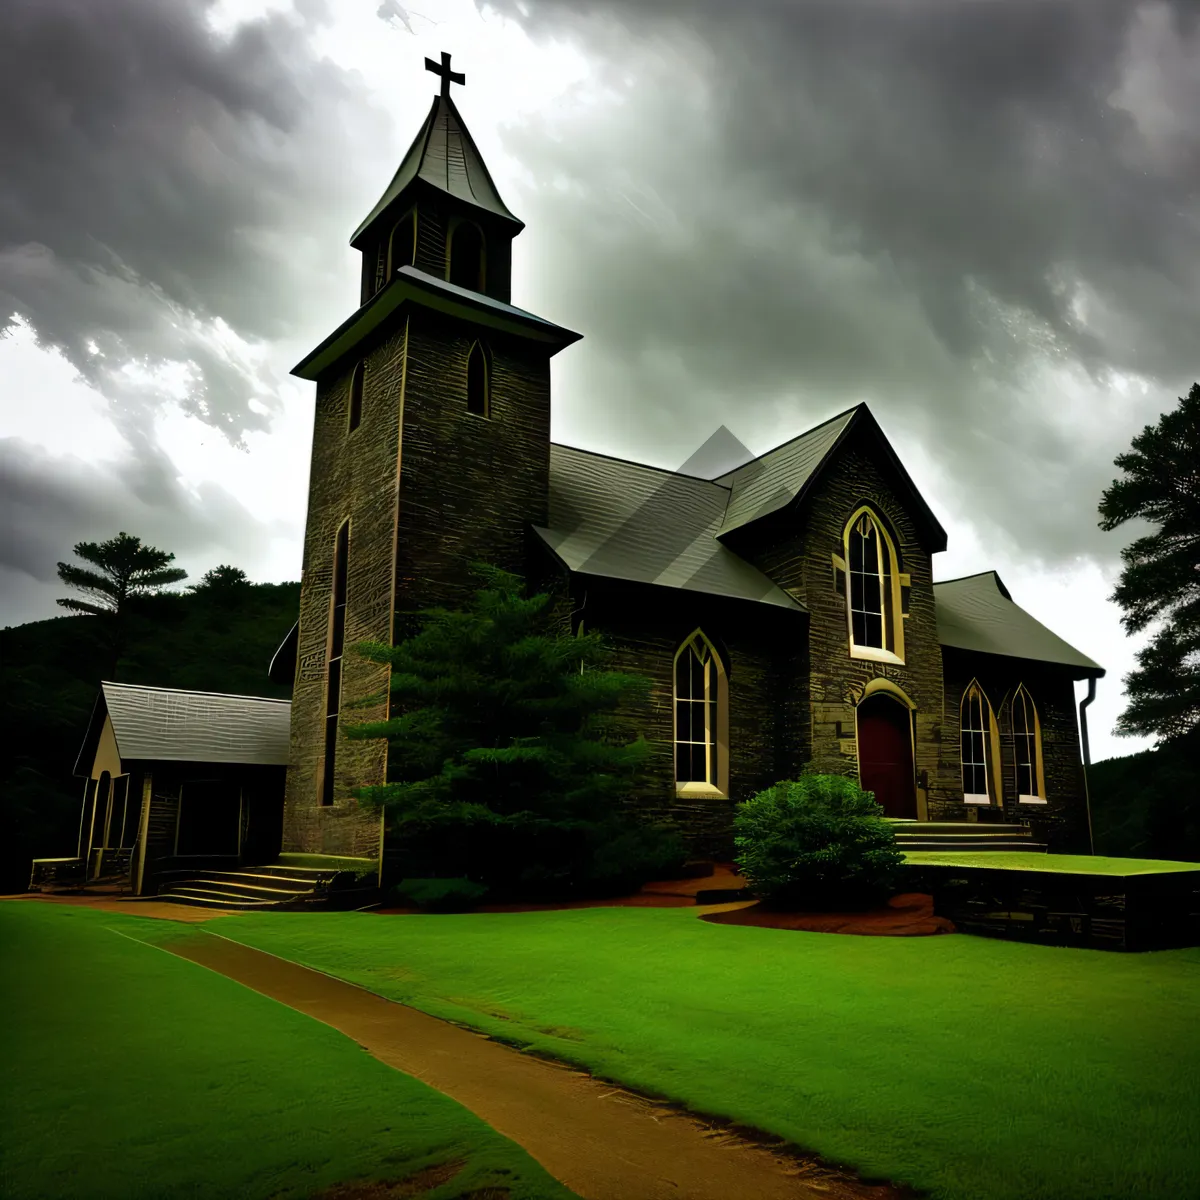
x=448 y=76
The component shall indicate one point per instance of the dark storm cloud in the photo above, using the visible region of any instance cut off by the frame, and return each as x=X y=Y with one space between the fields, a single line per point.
x=51 y=502
x=785 y=208
x=159 y=178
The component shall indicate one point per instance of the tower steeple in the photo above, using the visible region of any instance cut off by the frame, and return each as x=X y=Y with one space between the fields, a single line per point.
x=441 y=213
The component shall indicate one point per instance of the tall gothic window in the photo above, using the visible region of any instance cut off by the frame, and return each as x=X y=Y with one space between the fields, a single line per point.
x=479 y=381
x=875 y=592
x=1027 y=737
x=700 y=716
x=976 y=733
x=466 y=256
x=333 y=668
x=354 y=406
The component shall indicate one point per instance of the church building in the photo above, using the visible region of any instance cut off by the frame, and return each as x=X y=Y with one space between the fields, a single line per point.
x=785 y=610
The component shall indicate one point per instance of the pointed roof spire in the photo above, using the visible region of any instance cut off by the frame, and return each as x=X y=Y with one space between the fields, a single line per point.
x=444 y=155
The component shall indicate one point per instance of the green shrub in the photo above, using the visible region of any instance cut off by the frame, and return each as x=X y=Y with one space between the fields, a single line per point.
x=817 y=842
x=441 y=895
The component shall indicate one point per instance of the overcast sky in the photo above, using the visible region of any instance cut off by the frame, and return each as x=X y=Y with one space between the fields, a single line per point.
x=979 y=217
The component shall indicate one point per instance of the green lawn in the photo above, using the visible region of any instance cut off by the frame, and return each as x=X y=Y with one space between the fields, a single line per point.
x=975 y=1069
x=1068 y=864
x=129 y=1072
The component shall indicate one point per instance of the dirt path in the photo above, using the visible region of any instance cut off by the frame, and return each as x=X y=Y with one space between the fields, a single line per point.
x=603 y=1142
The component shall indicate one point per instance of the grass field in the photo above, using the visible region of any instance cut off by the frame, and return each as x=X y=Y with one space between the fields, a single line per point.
x=975 y=1069
x=1067 y=864
x=129 y=1072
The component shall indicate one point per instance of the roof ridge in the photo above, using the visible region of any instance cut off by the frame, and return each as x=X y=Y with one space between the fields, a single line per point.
x=805 y=433
x=149 y=687
x=645 y=466
x=962 y=578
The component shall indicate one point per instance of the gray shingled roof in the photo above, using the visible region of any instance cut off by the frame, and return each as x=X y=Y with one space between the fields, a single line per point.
x=774 y=479
x=162 y=723
x=977 y=613
x=444 y=154
x=629 y=521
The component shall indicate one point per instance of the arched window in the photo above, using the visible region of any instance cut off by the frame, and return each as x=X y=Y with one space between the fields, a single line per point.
x=333 y=661
x=701 y=718
x=479 y=381
x=354 y=405
x=978 y=740
x=465 y=254
x=1027 y=749
x=402 y=243
x=872 y=589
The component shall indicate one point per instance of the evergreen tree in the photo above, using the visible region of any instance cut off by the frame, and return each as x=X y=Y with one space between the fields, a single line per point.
x=1161 y=578
x=504 y=745
x=126 y=571
x=225 y=586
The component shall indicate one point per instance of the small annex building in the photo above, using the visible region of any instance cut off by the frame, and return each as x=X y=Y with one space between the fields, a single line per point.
x=179 y=780
x=784 y=610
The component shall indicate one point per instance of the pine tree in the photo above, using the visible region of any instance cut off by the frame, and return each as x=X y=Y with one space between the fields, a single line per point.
x=504 y=743
x=1160 y=582
x=127 y=570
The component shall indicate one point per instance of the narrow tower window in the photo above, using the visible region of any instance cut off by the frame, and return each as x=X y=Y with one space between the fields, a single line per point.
x=354 y=408
x=333 y=670
x=479 y=383
x=466 y=256
x=402 y=244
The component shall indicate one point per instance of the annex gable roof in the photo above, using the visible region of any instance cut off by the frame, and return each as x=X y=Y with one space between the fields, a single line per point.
x=978 y=613
x=168 y=724
x=626 y=520
x=785 y=474
x=443 y=155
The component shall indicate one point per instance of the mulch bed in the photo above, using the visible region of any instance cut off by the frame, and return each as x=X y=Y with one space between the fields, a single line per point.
x=907 y=915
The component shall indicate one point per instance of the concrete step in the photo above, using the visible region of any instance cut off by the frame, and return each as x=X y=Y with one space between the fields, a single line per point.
x=244 y=887
x=204 y=898
x=965 y=844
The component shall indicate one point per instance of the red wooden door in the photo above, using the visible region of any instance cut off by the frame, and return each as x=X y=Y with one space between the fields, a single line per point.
x=885 y=764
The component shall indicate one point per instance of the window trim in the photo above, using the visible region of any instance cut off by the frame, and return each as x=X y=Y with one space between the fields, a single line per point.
x=991 y=749
x=706 y=789
x=1037 y=764
x=891 y=592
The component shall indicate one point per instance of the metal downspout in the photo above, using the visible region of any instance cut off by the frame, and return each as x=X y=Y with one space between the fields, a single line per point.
x=1087 y=758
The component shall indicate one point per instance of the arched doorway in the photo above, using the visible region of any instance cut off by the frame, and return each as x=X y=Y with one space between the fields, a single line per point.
x=885 y=754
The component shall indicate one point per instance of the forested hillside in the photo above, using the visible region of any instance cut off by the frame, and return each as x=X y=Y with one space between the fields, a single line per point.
x=50 y=673
x=1147 y=805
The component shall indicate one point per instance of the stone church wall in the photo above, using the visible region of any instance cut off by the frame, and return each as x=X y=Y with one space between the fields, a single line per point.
x=428 y=487
x=796 y=552
x=764 y=655
x=353 y=475
x=1062 y=821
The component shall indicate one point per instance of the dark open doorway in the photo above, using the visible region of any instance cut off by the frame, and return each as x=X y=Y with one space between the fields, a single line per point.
x=209 y=812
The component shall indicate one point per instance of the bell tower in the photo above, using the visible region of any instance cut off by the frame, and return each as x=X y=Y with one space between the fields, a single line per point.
x=431 y=448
